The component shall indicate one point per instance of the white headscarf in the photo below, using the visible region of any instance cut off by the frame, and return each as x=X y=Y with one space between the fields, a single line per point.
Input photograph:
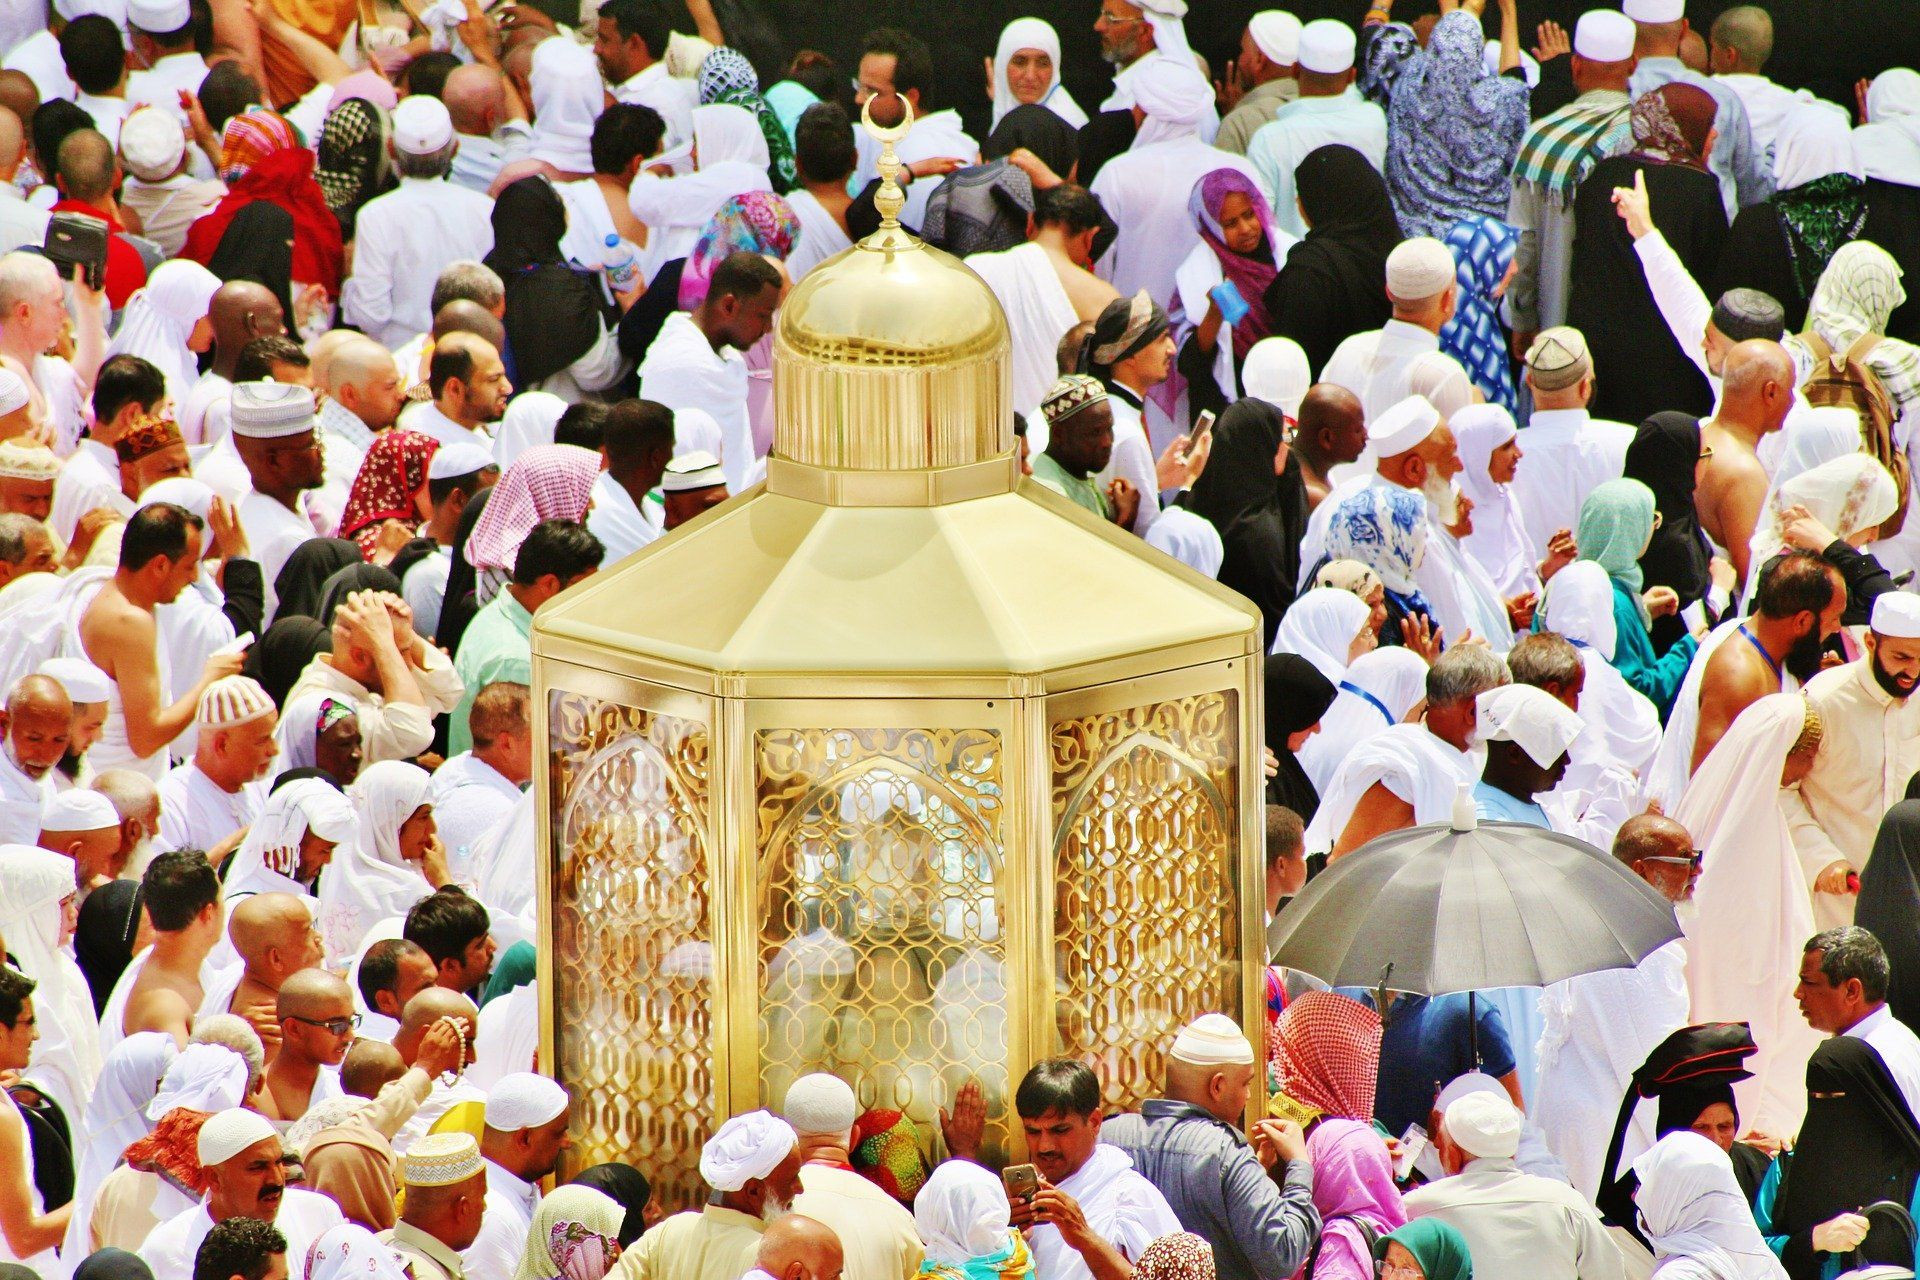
x=1276 y=371
x=962 y=1214
x=350 y=1252
x=726 y=134
x=368 y=880
x=1373 y=694
x=116 y=1118
x=160 y=317
x=529 y=420
x=1320 y=626
x=1814 y=142
x=1692 y=1208
x=1175 y=97
x=205 y=1077
x=66 y=1058
x=733 y=160
x=1031 y=33
x=269 y=858
x=1439 y=377
x=1814 y=435
x=589 y=1252
x=1191 y=539
x=1623 y=727
x=567 y=99
x=1499 y=540
x=1848 y=494
x=1888 y=145
x=1753 y=908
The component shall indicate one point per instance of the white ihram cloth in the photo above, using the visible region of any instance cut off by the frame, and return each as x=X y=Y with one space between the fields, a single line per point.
x=622 y=525
x=1145 y=190
x=402 y=241
x=1623 y=727
x=1888 y=145
x=368 y=881
x=683 y=371
x=1409 y=761
x=1039 y=313
x=672 y=97
x=733 y=161
x=1752 y=911
x=1666 y=779
x=1459 y=590
x=1769 y=105
x=820 y=235
x=501 y=862
x=1696 y=1216
x=1393 y=678
x=1121 y=1207
x=21 y=799
x=470 y=798
x=65 y=1060
x=936 y=135
x=567 y=98
x=196 y=814
x=1132 y=457
x=1566 y=454
x=116 y=1118
x=171 y=1247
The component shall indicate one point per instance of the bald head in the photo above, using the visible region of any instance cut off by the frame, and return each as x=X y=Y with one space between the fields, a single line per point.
x=1650 y=835
x=274 y=935
x=809 y=1242
x=320 y=354
x=369 y=1067
x=242 y=311
x=469 y=319
x=85 y=166
x=20 y=95
x=1742 y=40
x=354 y=363
x=1754 y=364
x=427 y=1008
x=476 y=98
x=39 y=695
x=1333 y=425
x=312 y=993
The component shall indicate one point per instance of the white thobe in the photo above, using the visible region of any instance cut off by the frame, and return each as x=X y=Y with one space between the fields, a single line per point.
x=1518 y=1226
x=1038 y=311
x=346 y=440
x=683 y=371
x=504 y=1227
x=402 y=241
x=425 y=588
x=20 y=223
x=1302 y=127
x=1145 y=192
x=935 y=135
x=1898 y=1047
x=426 y=418
x=196 y=814
x=170 y=1248
x=480 y=159
x=1768 y=105
x=1121 y=1207
x=1132 y=457
x=21 y=798
x=89 y=479
x=821 y=236
x=622 y=525
x=671 y=96
x=273 y=531
x=1376 y=366
x=1565 y=454
x=470 y=797
x=107 y=113
x=65 y=400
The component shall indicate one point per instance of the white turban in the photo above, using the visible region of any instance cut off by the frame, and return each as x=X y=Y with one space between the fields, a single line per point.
x=1534 y=718
x=1483 y=1126
x=820 y=1103
x=1174 y=93
x=747 y=1147
x=227 y=1133
x=205 y=1077
x=1213 y=1040
x=524 y=1100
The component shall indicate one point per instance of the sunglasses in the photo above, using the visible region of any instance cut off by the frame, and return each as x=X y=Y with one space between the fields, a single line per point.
x=338 y=1026
x=1699 y=856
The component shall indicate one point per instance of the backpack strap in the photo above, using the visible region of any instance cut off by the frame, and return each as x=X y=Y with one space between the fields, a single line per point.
x=1862 y=347
x=1369 y=1234
x=1822 y=353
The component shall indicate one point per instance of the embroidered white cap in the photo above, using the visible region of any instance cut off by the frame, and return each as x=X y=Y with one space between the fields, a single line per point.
x=1602 y=35
x=1327 y=46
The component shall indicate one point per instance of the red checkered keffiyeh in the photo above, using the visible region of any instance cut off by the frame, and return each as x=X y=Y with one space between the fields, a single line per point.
x=547 y=482
x=1327 y=1051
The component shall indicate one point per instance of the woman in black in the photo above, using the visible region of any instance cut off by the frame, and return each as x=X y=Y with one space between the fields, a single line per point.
x=1297 y=696
x=1259 y=508
x=1889 y=903
x=1334 y=283
x=1665 y=456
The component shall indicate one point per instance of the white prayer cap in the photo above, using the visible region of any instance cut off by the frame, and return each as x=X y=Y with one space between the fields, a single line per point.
x=160 y=17
x=83 y=681
x=1212 y=1040
x=458 y=459
x=747 y=1147
x=1172 y=91
x=1655 y=10
x=1276 y=33
x=698 y=470
x=27 y=461
x=1326 y=46
x=13 y=391
x=1602 y=35
x=441 y=1160
x=421 y=126
x=1419 y=268
x=1896 y=615
x=227 y=1133
x=524 y=1100
x=204 y=1077
x=270 y=410
x=1483 y=1125
x=1402 y=427
x=1462 y=1085
x=152 y=143
x=820 y=1103
x=1534 y=718
x=78 y=810
x=232 y=700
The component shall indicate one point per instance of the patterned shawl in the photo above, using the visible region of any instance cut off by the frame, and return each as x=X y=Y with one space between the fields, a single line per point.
x=392 y=473
x=726 y=76
x=1483 y=249
x=1562 y=148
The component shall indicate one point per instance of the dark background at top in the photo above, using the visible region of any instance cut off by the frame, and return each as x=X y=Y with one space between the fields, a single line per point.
x=1825 y=45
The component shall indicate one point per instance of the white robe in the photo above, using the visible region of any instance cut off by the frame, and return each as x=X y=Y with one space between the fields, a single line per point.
x=470 y=798
x=1145 y=191
x=622 y=525
x=196 y=814
x=170 y=1248
x=1666 y=778
x=1462 y=594
x=1565 y=455
x=1039 y=313
x=1374 y=693
x=1132 y=461
x=683 y=371
x=820 y=235
x=1409 y=761
x=1898 y=1047
x=273 y=531
x=21 y=799
x=1121 y=1207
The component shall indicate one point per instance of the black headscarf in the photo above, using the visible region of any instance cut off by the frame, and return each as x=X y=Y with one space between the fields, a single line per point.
x=458 y=607
x=302 y=580
x=1297 y=696
x=359 y=576
x=1694 y=1062
x=1261 y=516
x=554 y=313
x=1889 y=903
x=284 y=652
x=112 y=1264
x=983 y=208
x=1858 y=1144
x=1344 y=255
x=1681 y=1105
x=301 y=775
x=625 y=1184
x=1663 y=455
x=103 y=940
x=258 y=246
x=1040 y=131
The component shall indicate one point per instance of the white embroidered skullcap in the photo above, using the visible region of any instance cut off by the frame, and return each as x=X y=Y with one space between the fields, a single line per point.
x=83 y=681
x=204 y=1077
x=1603 y=35
x=1212 y=1040
x=524 y=1100
x=1483 y=1125
x=1896 y=614
x=693 y=471
x=441 y=1160
x=13 y=391
x=747 y=1147
x=270 y=410
x=78 y=810
x=232 y=700
x=1655 y=10
x=421 y=126
x=820 y=1103
x=1402 y=427
x=27 y=461
x=1541 y=723
x=458 y=459
x=227 y=1133
x=1419 y=268
x=1327 y=46
x=1276 y=33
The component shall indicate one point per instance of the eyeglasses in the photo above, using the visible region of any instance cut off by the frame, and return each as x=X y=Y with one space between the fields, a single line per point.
x=1393 y=1271
x=338 y=1026
x=1699 y=856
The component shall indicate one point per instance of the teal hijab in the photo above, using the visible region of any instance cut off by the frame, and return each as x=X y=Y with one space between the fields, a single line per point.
x=1438 y=1248
x=514 y=968
x=1615 y=523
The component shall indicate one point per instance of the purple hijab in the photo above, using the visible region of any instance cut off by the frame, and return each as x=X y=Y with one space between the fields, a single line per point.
x=1352 y=1178
x=1251 y=274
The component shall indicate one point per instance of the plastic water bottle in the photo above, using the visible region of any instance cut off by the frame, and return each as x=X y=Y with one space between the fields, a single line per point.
x=622 y=266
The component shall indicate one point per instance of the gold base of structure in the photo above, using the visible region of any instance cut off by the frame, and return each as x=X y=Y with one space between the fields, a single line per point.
x=896 y=766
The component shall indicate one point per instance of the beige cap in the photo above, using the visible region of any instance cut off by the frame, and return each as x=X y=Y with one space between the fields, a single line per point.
x=1558 y=358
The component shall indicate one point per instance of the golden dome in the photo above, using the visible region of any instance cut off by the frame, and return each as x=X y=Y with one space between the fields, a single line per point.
x=891 y=356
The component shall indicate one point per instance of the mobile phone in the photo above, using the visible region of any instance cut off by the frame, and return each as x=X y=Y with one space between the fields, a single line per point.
x=1021 y=1181
x=1412 y=1143
x=1202 y=424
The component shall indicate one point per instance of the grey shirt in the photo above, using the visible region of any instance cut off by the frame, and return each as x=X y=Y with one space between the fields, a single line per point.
x=1259 y=1230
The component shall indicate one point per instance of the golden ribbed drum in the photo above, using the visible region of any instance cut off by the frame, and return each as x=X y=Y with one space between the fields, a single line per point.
x=896 y=766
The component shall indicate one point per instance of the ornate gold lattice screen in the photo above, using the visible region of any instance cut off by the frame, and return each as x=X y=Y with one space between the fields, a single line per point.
x=1147 y=901
x=633 y=953
x=880 y=906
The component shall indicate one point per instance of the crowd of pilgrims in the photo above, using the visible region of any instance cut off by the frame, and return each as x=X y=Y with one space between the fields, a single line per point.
x=1554 y=408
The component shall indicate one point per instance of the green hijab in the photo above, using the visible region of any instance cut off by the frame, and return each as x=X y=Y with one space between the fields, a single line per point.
x=1438 y=1248
x=1615 y=523
x=514 y=968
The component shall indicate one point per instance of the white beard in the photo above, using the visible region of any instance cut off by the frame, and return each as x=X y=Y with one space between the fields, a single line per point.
x=1443 y=497
x=772 y=1209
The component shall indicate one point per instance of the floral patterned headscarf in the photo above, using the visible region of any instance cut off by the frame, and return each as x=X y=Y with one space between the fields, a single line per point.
x=1384 y=528
x=392 y=473
x=726 y=76
x=1671 y=123
x=755 y=222
x=575 y=1236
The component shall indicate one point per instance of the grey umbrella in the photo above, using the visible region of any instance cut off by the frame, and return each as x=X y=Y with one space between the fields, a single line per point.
x=1500 y=904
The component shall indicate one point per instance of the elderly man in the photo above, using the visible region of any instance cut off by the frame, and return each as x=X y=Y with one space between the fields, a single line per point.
x=1756 y=394
x=396 y=680
x=314 y=1010
x=1601 y=1026
x=799 y=1248
x=446 y=1188
x=753 y=1165
x=1376 y=366
x=33 y=316
x=83 y=825
x=1093 y=1211
x=1187 y=1143
x=1517 y=1226
x=242 y=1159
x=526 y=1131
x=1843 y=992
x=1328 y=112
x=1413 y=448
x=1869 y=750
x=1568 y=452
x=1079 y=446
x=204 y=801
x=876 y=1232
x=89 y=690
x=275 y=937
x=26 y=545
x=1263 y=75
x=491 y=120
x=37 y=721
x=362 y=386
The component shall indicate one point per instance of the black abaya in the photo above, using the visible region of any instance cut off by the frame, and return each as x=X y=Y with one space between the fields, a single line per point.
x=1297 y=696
x=1260 y=516
x=1333 y=283
x=1889 y=904
x=1663 y=456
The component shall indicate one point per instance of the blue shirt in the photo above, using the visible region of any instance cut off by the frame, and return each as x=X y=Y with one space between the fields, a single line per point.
x=1427 y=1044
x=1491 y=804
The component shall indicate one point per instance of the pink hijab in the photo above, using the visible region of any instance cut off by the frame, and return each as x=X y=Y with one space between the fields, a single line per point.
x=1352 y=1178
x=368 y=84
x=547 y=482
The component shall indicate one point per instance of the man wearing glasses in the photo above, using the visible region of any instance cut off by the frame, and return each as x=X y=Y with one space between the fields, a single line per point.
x=317 y=1021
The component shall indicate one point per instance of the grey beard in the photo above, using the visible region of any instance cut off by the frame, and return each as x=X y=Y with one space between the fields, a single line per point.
x=772 y=1209
x=1443 y=497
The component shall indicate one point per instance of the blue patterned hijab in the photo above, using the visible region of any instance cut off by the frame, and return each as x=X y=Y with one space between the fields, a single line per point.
x=1483 y=249
x=1385 y=528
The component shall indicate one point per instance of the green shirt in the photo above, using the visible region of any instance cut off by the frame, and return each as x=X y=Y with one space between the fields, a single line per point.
x=498 y=645
x=1076 y=489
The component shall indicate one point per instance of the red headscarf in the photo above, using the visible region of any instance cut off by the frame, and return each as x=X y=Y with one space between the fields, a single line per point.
x=1327 y=1051
x=263 y=155
x=173 y=1148
x=392 y=473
